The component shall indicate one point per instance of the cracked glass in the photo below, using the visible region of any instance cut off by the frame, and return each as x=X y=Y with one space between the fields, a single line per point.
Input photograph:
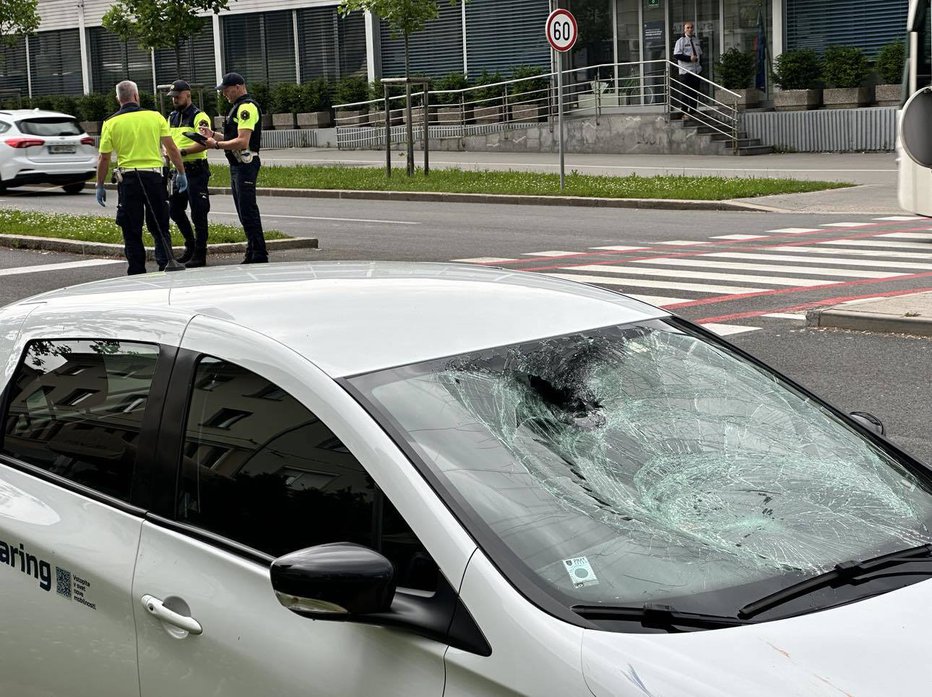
x=635 y=463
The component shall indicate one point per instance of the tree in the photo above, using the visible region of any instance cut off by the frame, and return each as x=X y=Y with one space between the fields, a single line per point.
x=122 y=25
x=159 y=23
x=17 y=18
x=403 y=17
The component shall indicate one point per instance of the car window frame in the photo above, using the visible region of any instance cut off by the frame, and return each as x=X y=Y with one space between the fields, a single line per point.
x=140 y=499
x=504 y=559
x=167 y=471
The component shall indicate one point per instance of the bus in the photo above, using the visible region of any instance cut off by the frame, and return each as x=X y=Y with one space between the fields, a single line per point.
x=914 y=141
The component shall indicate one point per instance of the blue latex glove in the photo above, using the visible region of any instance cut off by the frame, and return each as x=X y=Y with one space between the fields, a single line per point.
x=101 y=195
x=181 y=182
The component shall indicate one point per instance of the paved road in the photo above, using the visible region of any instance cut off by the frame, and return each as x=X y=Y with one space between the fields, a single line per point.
x=747 y=275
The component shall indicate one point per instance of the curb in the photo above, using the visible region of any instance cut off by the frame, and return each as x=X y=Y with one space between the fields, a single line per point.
x=509 y=199
x=869 y=322
x=100 y=249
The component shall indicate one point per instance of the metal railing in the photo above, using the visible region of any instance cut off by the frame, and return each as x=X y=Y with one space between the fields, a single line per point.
x=526 y=102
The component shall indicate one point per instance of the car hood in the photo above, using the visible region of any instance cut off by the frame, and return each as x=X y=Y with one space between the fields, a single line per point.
x=873 y=648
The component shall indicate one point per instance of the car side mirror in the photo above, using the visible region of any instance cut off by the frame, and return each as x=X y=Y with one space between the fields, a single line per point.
x=335 y=581
x=869 y=421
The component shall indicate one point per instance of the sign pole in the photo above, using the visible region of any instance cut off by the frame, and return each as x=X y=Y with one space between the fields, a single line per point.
x=559 y=57
x=562 y=32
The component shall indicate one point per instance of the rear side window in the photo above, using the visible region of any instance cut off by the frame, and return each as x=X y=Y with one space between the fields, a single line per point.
x=75 y=408
x=50 y=126
x=261 y=469
x=4 y=127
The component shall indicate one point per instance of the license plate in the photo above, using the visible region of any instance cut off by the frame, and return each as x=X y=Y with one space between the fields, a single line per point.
x=62 y=149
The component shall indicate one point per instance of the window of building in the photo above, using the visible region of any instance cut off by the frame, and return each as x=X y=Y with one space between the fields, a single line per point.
x=331 y=45
x=260 y=46
x=436 y=51
x=76 y=409
x=193 y=63
x=113 y=60
x=267 y=473
x=53 y=62
x=13 y=82
x=498 y=41
x=868 y=24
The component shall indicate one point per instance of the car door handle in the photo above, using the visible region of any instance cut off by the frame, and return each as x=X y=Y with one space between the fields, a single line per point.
x=156 y=608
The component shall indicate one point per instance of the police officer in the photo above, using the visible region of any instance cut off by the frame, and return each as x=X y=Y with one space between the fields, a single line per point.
x=187 y=117
x=138 y=136
x=241 y=140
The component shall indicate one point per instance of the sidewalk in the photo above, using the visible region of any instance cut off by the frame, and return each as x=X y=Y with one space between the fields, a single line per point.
x=901 y=314
x=875 y=174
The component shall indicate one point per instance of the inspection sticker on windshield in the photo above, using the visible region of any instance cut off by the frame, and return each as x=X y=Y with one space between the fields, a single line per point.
x=580 y=571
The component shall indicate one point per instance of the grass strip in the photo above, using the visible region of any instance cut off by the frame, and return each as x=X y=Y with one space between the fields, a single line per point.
x=525 y=183
x=92 y=228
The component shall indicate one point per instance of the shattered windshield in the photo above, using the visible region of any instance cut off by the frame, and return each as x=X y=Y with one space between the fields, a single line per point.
x=637 y=463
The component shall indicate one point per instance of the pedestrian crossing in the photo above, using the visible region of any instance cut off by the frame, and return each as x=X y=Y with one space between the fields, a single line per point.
x=839 y=259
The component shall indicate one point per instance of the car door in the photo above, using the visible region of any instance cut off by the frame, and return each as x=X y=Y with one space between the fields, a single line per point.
x=76 y=428
x=261 y=475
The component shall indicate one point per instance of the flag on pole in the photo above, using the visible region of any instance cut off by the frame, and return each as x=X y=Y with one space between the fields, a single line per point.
x=760 y=82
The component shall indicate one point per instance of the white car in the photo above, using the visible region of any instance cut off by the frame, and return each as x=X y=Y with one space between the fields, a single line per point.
x=436 y=480
x=44 y=147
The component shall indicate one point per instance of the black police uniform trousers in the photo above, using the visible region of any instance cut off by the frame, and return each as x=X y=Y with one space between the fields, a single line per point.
x=142 y=197
x=198 y=173
x=691 y=89
x=243 y=182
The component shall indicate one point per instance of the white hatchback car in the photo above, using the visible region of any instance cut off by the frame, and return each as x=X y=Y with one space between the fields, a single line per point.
x=45 y=147
x=425 y=480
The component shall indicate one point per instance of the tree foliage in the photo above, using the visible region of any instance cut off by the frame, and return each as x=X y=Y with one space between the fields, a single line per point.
x=157 y=24
x=17 y=18
x=404 y=17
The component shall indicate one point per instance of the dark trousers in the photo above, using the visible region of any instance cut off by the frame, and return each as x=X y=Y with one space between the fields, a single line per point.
x=243 y=182
x=197 y=196
x=142 y=197
x=690 y=84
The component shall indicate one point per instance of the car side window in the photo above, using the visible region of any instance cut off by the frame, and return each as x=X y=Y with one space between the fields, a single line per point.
x=261 y=469
x=75 y=408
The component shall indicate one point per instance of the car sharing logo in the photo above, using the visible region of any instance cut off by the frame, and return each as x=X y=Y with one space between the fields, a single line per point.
x=67 y=584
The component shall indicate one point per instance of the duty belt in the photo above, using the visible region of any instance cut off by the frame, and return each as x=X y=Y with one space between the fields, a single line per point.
x=139 y=169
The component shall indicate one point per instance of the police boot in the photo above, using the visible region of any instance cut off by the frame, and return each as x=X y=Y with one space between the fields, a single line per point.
x=198 y=258
x=189 y=253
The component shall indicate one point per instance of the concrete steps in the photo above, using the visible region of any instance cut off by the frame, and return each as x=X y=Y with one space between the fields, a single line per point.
x=746 y=146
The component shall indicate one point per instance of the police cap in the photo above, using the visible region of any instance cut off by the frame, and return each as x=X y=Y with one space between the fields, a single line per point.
x=178 y=86
x=231 y=79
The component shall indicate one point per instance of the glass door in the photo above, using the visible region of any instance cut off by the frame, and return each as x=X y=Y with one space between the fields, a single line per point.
x=706 y=15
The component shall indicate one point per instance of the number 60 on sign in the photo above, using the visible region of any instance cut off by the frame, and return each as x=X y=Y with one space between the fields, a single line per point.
x=562 y=30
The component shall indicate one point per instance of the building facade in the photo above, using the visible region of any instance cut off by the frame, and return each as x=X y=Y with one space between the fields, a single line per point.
x=276 y=41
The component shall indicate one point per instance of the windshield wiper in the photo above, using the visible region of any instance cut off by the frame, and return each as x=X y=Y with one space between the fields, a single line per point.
x=843 y=573
x=657 y=616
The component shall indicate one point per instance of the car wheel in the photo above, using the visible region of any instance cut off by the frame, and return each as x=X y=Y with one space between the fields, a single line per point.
x=73 y=187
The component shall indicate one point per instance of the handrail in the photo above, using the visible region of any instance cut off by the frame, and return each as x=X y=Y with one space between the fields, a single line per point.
x=528 y=100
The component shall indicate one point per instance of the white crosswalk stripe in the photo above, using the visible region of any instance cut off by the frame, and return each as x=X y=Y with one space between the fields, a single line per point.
x=651 y=283
x=738 y=266
x=700 y=275
x=856 y=252
x=836 y=261
x=658 y=300
x=729 y=329
x=879 y=244
x=40 y=268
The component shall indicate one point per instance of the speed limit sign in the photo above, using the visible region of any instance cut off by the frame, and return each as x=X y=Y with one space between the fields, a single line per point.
x=562 y=30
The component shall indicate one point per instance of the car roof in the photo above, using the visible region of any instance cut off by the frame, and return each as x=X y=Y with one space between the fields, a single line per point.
x=355 y=317
x=18 y=114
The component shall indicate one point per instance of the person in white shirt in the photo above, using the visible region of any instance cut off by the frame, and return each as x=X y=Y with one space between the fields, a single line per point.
x=688 y=54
